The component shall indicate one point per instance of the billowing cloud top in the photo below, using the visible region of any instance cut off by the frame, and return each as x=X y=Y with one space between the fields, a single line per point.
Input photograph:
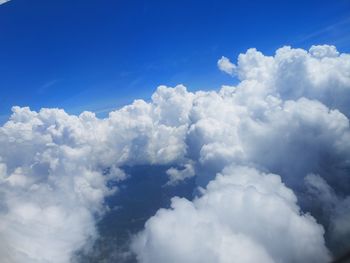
x=241 y=216
x=261 y=151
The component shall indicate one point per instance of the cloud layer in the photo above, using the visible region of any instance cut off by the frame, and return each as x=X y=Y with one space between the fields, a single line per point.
x=288 y=115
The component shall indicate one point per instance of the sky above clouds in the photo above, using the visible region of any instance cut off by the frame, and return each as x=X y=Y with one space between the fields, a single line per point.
x=93 y=55
x=242 y=98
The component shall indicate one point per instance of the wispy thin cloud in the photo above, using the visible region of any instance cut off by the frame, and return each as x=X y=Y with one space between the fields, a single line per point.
x=334 y=32
x=3 y=1
x=47 y=85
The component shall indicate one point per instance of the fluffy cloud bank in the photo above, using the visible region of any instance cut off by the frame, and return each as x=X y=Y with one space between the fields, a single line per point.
x=243 y=216
x=321 y=73
x=288 y=116
x=57 y=169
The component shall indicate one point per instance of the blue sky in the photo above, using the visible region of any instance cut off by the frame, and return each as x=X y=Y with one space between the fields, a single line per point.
x=101 y=54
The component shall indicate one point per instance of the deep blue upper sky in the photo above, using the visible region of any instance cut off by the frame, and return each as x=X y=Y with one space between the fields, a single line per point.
x=100 y=54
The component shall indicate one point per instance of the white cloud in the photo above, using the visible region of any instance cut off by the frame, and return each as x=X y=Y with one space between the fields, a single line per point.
x=323 y=51
x=178 y=175
x=279 y=118
x=321 y=73
x=54 y=170
x=239 y=218
x=226 y=66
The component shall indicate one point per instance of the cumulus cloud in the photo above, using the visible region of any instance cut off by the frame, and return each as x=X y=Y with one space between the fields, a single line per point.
x=270 y=133
x=55 y=172
x=178 y=175
x=288 y=115
x=51 y=188
x=280 y=119
x=320 y=73
x=239 y=218
x=226 y=66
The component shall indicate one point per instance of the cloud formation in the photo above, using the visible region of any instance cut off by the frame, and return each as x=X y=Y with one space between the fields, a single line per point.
x=56 y=169
x=320 y=73
x=280 y=118
x=288 y=115
x=226 y=66
x=241 y=216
